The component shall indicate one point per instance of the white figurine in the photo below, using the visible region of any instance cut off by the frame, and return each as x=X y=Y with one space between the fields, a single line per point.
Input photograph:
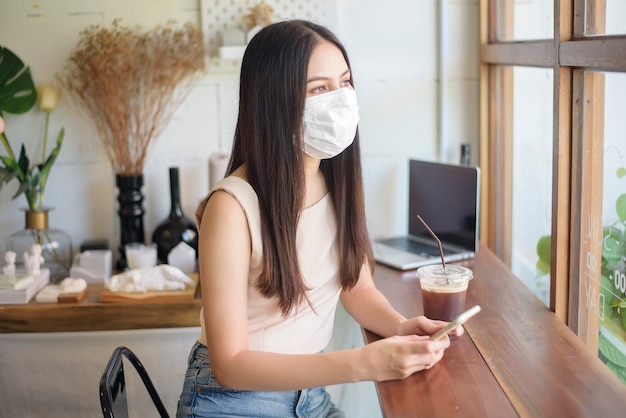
x=34 y=260
x=9 y=266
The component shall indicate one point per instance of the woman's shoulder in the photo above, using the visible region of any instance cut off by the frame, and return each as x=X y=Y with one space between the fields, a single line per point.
x=231 y=190
x=235 y=184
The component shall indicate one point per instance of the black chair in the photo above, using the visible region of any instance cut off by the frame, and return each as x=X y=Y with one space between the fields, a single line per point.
x=113 y=385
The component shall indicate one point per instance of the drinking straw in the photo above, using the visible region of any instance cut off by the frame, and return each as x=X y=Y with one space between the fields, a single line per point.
x=436 y=239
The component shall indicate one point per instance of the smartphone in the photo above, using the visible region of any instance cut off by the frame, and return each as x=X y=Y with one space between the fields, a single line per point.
x=459 y=320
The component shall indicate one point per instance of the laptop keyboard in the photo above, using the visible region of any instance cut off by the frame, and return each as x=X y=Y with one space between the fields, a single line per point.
x=414 y=247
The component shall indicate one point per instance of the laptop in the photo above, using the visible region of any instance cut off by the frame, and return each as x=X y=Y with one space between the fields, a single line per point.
x=447 y=197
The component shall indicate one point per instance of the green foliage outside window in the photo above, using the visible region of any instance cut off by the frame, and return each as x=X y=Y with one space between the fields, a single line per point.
x=612 y=303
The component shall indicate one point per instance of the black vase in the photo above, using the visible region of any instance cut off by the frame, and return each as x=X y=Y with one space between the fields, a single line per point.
x=177 y=227
x=130 y=211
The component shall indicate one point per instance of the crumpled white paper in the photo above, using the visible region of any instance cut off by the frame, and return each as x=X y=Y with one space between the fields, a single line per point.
x=159 y=278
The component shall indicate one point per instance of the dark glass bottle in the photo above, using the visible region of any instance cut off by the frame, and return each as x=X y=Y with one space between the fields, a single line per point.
x=177 y=227
x=465 y=154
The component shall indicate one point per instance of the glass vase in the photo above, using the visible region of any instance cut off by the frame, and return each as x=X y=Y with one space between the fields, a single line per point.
x=56 y=245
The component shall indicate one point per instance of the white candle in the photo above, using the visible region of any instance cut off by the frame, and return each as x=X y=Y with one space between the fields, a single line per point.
x=141 y=255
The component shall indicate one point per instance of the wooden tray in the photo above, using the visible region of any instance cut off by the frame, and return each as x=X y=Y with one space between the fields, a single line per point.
x=52 y=294
x=72 y=297
x=189 y=293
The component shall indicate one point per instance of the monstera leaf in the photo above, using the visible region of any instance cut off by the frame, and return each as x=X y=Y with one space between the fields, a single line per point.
x=17 y=90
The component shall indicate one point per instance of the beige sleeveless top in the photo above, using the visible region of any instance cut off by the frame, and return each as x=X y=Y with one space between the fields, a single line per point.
x=303 y=330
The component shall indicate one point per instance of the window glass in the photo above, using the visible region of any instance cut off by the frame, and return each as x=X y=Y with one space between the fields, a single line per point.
x=525 y=19
x=532 y=178
x=612 y=312
x=612 y=22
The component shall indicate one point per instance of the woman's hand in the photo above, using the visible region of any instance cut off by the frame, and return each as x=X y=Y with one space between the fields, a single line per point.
x=421 y=325
x=400 y=356
x=410 y=351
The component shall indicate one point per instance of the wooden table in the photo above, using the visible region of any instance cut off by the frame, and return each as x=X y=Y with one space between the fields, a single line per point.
x=515 y=359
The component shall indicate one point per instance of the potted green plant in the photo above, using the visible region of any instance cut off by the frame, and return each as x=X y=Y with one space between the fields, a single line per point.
x=18 y=95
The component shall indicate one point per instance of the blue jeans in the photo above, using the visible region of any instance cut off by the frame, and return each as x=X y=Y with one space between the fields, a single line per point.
x=202 y=396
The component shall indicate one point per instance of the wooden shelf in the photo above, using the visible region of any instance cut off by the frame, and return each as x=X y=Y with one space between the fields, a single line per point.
x=92 y=315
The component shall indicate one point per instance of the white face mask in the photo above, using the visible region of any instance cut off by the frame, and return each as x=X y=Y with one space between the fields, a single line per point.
x=330 y=122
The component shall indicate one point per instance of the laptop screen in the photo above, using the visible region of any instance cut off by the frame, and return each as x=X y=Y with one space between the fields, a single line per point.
x=446 y=197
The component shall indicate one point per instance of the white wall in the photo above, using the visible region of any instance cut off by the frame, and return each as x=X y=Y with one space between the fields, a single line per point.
x=57 y=374
x=394 y=55
x=393 y=49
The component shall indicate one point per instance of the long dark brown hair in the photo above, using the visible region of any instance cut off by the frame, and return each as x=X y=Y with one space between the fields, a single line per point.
x=268 y=142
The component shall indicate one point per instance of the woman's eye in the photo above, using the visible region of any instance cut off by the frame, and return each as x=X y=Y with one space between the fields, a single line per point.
x=346 y=83
x=318 y=89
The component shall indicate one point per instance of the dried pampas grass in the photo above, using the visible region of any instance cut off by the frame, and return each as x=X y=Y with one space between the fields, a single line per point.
x=130 y=82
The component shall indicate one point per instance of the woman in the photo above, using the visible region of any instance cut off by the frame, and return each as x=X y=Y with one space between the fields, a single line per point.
x=283 y=237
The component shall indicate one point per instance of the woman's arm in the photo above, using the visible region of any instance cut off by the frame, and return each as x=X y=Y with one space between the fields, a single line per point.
x=370 y=308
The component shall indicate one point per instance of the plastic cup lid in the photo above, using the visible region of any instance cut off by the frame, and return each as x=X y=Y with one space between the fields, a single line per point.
x=451 y=274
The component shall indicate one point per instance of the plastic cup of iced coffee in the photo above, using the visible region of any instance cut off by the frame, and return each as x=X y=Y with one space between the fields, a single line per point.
x=444 y=290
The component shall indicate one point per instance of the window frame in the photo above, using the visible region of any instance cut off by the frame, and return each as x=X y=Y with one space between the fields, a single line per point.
x=578 y=109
